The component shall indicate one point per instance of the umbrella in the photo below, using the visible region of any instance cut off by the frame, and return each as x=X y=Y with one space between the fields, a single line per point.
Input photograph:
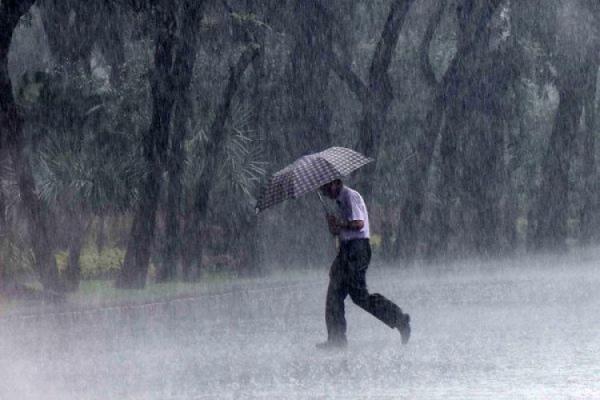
x=308 y=173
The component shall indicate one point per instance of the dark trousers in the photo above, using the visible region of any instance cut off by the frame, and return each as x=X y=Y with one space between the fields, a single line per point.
x=347 y=276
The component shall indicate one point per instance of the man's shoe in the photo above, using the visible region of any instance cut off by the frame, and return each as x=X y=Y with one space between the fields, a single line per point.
x=403 y=325
x=332 y=345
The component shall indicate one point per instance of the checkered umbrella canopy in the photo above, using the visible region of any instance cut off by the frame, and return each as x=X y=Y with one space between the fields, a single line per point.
x=308 y=173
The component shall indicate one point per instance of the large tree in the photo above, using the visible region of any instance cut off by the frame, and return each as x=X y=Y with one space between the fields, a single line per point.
x=418 y=167
x=588 y=215
x=185 y=57
x=571 y=43
x=377 y=93
x=214 y=151
x=167 y=79
x=464 y=95
x=11 y=135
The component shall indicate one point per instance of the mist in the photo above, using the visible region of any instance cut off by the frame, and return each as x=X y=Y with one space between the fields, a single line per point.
x=514 y=329
x=138 y=139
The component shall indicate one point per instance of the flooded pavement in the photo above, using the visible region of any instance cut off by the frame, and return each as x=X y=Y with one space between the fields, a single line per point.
x=524 y=330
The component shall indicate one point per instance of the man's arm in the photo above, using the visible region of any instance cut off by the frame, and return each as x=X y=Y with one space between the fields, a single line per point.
x=352 y=225
x=336 y=224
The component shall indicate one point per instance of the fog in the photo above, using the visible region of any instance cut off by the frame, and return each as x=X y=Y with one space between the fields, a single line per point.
x=137 y=139
x=525 y=328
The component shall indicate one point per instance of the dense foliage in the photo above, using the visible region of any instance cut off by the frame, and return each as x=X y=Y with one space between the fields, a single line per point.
x=148 y=127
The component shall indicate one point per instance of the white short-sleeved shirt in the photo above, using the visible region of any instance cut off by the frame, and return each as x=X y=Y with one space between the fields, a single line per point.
x=352 y=208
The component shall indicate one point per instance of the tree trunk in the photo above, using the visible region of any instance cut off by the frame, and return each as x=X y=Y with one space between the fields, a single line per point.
x=137 y=256
x=184 y=63
x=407 y=237
x=446 y=190
x=588 y=216
x=213 y=152
x=417 y=169
x=513 y=159
x=78 y=232
x=461 y=92
x=174 y=193
x=482 y=182
x=377 y=96
x=3 y=234
x=251 y=242
x=245 y=247
x=380 y=94
x=187 y=251
x=37 y=221
x=11 y=135
x=551 y=213
x=100 y=233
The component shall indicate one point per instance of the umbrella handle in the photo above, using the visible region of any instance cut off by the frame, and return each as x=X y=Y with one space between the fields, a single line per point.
x=323 y=203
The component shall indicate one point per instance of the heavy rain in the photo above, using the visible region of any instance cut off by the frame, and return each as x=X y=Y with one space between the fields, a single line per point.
x=299 y=199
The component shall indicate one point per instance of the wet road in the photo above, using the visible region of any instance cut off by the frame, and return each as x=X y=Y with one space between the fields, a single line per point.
x=524 y=330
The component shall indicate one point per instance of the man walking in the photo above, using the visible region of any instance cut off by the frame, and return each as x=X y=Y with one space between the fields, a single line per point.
x=347 y=275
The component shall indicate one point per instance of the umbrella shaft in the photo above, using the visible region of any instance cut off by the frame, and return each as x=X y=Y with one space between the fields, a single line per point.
x=323 y=202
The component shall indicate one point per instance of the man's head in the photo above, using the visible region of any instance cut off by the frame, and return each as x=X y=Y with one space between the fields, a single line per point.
x=332 y=189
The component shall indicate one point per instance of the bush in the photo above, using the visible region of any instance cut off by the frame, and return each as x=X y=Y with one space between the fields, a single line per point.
x=17 y=258
x=94 y=265
x=376 y=241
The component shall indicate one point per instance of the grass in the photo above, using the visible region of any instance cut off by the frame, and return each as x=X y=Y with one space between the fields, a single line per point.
x=101 y=293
